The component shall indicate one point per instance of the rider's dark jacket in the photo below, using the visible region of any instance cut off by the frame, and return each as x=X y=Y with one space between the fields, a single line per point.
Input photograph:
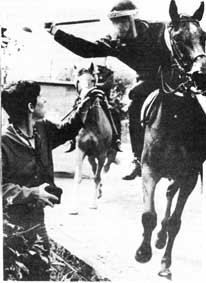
x=139 y=53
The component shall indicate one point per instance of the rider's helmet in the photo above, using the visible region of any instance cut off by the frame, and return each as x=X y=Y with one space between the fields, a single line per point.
x=123 y=8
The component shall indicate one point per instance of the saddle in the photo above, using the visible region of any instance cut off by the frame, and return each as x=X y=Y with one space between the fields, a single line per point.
x=150 y=102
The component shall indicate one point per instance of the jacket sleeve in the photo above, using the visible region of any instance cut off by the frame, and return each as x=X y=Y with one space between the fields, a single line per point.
x=83 y=47
x=60 y=133
x=14 y=193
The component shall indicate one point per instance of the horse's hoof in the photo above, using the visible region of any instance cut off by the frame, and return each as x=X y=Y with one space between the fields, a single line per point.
x=106 y=168
x=166 y=273
x=99 y=193
x=161 y=240
x=165 y=264
x=73 y=212
x=93 y=206
x=143 y=254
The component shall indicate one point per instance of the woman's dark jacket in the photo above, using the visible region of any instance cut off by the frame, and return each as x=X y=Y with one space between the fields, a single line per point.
x=24 y=167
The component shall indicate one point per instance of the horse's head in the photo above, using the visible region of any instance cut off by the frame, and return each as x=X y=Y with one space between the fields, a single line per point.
x=85 y=79
x=188 y=45
x=89 y=94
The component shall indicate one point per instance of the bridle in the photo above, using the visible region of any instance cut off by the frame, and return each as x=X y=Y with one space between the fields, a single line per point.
x=179 y=62
x=178 y=56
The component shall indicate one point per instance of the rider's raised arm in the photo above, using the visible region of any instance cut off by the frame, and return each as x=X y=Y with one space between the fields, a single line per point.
x=82 y=47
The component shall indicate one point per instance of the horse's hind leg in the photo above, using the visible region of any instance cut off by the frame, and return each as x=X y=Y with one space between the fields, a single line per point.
x=149 y=217
x=97 y=193
x=74 y=208
x=174 y=221
x=162 y=234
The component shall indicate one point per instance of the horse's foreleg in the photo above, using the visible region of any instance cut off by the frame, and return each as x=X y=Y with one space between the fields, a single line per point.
x=74 y=208
x=93 y=163
x=97 y=193
x=174 y=222
x=149 y=217
x=111 y=156
x=162 y=234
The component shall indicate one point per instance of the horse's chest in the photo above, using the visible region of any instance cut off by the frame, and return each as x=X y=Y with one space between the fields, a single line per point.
x=92 y=142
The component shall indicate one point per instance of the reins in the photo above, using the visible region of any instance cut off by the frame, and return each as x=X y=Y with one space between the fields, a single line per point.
x=92 y=95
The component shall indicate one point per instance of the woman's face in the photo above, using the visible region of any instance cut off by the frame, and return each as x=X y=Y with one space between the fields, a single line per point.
x=122 y=27
x=39 y=110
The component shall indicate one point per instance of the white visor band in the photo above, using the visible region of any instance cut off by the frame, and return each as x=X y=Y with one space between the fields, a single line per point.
x=118 y=14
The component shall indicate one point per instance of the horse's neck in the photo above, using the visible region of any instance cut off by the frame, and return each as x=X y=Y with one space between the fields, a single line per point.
x=170 y=72
x=93 y=112
x=159 y=44
x=96 y=120
x=86 y=91
x=97 y=113
x=156 y=33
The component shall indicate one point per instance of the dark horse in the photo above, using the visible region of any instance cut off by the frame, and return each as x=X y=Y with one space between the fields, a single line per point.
x=175 y=130
x=106 y=82
x=94 y=139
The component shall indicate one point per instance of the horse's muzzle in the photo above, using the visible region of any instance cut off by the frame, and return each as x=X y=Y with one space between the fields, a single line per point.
x=198 y=74
x=199 y=82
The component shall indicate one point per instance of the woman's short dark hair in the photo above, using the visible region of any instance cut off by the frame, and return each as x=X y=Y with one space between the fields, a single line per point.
x=16 y=97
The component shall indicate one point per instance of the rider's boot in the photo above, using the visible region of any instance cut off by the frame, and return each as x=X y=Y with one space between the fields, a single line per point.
x=137 y=150
x=135 y=170
x=137 y=140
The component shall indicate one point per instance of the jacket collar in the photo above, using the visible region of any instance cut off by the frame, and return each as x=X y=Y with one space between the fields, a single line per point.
x=10 y=132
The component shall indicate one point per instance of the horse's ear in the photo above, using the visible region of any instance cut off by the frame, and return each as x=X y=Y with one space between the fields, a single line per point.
x=173 y=12
x=91 y=68
x=199 y=13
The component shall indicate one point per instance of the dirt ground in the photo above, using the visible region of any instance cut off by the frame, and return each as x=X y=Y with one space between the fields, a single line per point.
x=107 y=238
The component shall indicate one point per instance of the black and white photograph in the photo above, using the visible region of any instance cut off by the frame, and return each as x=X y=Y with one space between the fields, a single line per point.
x=103 y=140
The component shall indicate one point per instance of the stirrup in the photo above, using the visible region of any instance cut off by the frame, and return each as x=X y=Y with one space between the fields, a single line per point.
x=72 y=147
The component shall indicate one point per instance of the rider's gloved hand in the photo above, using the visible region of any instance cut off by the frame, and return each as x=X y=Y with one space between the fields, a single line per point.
x=51 y=28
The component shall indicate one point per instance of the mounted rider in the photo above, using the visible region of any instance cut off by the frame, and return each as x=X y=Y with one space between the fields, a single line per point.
x=131 y=43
